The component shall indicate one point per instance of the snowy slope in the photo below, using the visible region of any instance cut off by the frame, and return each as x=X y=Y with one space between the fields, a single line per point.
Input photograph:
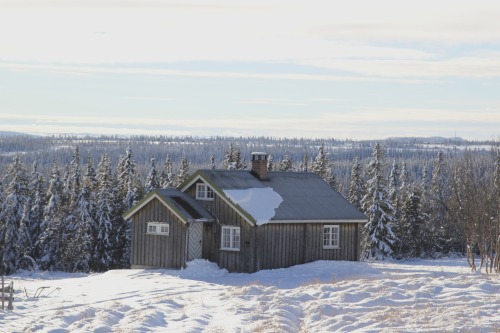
x=415 y=296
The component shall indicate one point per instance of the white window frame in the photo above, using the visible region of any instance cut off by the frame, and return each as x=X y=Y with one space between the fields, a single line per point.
x=234 y=235
x=204 y=192
x=155 y=228
x=331 y=236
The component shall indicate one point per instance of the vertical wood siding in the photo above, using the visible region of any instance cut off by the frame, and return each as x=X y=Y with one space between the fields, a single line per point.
x=285 y=245
x=154 y=250
x=233 y=261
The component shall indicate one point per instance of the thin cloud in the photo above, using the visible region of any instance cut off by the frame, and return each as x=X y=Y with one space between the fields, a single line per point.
x=72 y=70
x=361 y=124
x=271 y=101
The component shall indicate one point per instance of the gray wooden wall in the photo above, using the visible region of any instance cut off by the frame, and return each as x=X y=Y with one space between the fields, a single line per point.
x=157 y=250
x=234 y=261
x=285 y=245
x=272 y=245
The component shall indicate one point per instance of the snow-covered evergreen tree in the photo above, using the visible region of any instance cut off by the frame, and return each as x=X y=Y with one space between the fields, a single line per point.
x=394 y=189
x=38 y=191
x=413 y=223
x=152 y=181
x=51 y=240
x=103 y=246
x=323 y=167
x=270 y=163
x=71 y=212
x=233 y=160
x=12 y=212
x=183 y=172
x=129 y=189
x=304 y=165
x=167 y=178
x=82 y=244
x=129 y=192
x=438 y=197
x=424 y=187
x=376 y=205
x=321 y=163
x=356 y=186
x=404 y=179
x=211 y=165
x=286 y=164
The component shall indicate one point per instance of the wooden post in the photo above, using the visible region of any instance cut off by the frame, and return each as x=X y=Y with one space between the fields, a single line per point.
x=11 y=298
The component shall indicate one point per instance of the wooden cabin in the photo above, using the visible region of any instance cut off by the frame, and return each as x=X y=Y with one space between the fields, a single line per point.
x=245 y=221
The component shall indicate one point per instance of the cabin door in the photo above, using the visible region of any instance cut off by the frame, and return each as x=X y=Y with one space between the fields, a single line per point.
x=195 y=236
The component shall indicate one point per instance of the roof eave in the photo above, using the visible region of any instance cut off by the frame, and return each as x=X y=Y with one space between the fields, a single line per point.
x=340 y=221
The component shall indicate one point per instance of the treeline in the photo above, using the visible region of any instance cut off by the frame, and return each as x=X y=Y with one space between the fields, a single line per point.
x=66 y=214
x=453 y=207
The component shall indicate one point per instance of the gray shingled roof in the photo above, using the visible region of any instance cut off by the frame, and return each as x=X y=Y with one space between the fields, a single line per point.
x=185 y=205
x=305 y=195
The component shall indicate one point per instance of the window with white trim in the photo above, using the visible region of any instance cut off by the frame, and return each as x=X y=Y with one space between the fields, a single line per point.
x=230 y=239
x=204 y=192
x=158 y=228
x=331 y=237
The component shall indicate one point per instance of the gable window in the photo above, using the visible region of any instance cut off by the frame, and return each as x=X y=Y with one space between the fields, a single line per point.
x=230 y=239
x=204 y=192
x=158 y=228
x=331 y=237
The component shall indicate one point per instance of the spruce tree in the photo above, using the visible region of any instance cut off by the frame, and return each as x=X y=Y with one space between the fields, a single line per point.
x=82 y=244
x=438 y=197
x=286 y=164
x=51 y=240
x=152 y=181
x=183 y=172
x=376 y=204
x=304 y=166
x=103 y=246
x=167 y=175
x=129 y=192
x=38 y=200
x=356 y=186
x=323 y=167
x=71 y=212
x=211 y=165
x=413 y=235
x=233 y=160
x=404 y=180
x=13 y=210
x=394 y=189
x=270 y=163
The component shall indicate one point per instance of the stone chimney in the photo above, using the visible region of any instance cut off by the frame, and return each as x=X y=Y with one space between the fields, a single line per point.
x=259 y=165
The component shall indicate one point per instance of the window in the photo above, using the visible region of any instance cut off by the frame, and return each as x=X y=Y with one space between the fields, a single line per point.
x=204 y=192
x=158 y=228
x=331 y=237
x=230 y=239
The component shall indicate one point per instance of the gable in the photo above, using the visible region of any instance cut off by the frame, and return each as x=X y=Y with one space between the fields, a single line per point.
x=181 y=205
x=200 y=177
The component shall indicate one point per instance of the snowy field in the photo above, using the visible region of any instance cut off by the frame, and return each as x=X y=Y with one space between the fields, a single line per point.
x=324 y=296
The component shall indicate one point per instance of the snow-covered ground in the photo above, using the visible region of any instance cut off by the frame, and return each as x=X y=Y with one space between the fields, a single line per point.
x=324 y=296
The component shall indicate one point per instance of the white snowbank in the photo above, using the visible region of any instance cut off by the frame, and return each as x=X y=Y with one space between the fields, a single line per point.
x=261 y=203
x=323 y=296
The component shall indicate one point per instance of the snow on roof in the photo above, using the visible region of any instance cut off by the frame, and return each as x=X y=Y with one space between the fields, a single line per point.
x=260 y=203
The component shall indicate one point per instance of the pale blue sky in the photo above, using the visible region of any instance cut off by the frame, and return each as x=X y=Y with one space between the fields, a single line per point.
x=362 y=70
